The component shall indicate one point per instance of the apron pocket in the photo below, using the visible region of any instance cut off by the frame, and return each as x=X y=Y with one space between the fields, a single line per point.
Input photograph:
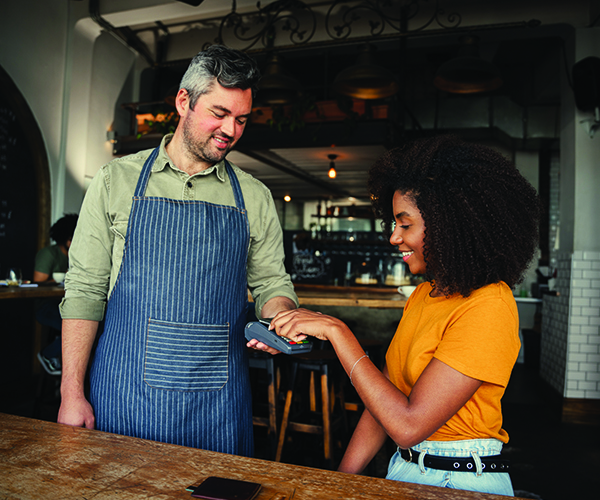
x=185 y=356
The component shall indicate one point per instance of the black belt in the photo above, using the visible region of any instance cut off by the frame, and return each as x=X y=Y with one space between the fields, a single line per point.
x=491 y=463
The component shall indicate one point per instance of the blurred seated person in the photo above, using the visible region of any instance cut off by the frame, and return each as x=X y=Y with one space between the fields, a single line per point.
x=50 y=260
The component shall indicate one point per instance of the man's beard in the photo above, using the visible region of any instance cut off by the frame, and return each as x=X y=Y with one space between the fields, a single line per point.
x=203 y=151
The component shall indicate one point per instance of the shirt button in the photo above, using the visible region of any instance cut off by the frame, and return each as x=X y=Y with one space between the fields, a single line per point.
x=189 y=184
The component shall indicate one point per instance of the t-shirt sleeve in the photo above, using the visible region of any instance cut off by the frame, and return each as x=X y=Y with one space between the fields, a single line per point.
x=44 y=261
x=482 y=341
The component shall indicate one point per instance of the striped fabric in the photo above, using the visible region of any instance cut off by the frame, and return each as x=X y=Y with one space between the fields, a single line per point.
x=171 y=364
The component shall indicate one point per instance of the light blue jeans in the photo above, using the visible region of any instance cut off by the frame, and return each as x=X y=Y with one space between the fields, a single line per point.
x=498 y=483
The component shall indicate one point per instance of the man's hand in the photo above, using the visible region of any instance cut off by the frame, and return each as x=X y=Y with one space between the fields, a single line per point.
x=259 y=346
x=77 y=412
x=270 y=309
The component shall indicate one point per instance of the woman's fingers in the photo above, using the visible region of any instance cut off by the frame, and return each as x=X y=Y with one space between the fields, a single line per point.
x=299 y=323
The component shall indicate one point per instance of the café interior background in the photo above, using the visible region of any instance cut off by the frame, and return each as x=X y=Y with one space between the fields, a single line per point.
x=82 y=68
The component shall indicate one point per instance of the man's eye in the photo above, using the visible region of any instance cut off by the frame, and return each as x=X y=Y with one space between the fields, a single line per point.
x=242 y=121
x=218 y=115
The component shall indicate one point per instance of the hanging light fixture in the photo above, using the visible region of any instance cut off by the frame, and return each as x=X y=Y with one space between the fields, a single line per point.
x=366 y=80
x=467 y=73
x=332 y=172
x=276 y=86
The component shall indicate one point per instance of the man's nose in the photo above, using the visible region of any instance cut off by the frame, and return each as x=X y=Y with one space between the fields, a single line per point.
x=228 y=127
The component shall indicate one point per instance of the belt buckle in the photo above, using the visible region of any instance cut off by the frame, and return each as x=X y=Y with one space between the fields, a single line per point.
x=410 y=456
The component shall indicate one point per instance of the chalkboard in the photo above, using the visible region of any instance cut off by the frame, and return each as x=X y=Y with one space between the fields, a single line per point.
x=24 y=182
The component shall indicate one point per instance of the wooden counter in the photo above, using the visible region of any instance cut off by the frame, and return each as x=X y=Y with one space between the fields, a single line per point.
x=325 y=295
x=47 y=460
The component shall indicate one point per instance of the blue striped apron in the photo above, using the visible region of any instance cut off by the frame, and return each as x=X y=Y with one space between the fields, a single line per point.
x=171 y=364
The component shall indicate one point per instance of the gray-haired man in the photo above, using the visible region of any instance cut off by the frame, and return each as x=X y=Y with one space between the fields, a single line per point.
x=168 y=243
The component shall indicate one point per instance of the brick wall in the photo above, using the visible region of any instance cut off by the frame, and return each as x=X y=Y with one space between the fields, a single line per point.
x=570 y=344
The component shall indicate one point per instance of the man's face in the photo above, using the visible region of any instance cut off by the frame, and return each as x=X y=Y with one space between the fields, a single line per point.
x=216 y=123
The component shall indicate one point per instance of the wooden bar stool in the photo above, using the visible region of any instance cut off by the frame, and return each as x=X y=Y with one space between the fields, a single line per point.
x=323 y=363
x=264 y=361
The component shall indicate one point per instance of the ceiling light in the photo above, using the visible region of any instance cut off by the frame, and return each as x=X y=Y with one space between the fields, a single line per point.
x=287 y=198
x=276 y=86
x=366 y=80
x=467 y=73
x=332 y=172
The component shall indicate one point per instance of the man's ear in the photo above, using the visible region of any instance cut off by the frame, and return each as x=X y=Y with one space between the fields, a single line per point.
x=182 y=102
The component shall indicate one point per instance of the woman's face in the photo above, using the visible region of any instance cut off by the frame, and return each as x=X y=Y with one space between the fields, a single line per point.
x=409 y=232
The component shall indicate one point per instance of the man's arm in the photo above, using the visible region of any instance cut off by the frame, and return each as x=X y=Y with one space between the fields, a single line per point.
x=77 y=340
x=269 y=310
x=275 y=305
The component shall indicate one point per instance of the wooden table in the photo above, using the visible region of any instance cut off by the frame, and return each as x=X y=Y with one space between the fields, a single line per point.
x=47 y=460
x=36 y=292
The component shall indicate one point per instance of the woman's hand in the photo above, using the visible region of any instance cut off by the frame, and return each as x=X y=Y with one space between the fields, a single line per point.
x=298 y=324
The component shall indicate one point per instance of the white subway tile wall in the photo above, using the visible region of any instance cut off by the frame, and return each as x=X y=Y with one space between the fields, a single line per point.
x=570 y=343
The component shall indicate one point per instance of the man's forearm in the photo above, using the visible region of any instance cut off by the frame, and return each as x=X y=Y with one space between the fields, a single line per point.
x=78 y=337
x=275 y=305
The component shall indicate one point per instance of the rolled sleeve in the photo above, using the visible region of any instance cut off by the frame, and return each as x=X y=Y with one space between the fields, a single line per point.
x=80 y=308
x=90 y=256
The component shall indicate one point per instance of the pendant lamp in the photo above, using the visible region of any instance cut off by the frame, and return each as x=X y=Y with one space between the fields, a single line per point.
x=276 y=86
x=468 y=73
x=366 y=80
x=332 y=174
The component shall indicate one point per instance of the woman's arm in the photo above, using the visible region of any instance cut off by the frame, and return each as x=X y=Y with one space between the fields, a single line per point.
x=367 y=440
x=438 y=394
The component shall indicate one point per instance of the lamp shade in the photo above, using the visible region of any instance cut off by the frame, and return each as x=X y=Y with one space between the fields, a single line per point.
x=468 y=73
x=275 y=86
x=366 y=80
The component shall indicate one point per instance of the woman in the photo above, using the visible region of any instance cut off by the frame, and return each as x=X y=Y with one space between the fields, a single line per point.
x=465 y=218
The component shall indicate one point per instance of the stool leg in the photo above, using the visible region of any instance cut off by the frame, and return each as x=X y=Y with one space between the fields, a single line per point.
x=272 y=432
x=313 y=397
x=326 y=413
x=286 y=412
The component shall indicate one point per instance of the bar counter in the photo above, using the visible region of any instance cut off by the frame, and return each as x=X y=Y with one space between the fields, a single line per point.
x=326 y=295
x=41 y=459
x=314 y=295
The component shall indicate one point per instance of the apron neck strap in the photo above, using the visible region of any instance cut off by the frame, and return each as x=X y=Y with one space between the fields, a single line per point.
x=142 y=183
x=235 y=185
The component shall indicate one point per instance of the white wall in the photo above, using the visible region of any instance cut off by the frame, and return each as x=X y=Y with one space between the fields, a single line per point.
x=33 y=39
x=587 y=159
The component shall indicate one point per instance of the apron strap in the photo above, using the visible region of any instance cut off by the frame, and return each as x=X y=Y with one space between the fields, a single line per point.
x=142 y=183
x=235 y=185
x=144 y=177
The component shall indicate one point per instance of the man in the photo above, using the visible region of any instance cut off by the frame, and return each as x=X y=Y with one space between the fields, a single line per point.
x=176 y=262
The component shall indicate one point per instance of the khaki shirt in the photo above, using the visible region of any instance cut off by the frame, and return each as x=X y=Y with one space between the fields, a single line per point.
x=96 y=252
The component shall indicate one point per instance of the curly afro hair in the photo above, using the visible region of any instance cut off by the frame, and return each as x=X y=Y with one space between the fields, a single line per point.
x=481 y=215
x=62 y=230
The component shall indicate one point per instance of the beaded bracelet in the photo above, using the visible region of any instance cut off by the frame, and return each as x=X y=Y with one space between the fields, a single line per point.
x=354 y=366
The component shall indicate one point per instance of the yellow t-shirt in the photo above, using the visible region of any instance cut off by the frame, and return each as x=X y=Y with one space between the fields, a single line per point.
x=478 y=336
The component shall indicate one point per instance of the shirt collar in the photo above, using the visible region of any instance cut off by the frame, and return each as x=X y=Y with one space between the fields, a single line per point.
x=163 y=160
